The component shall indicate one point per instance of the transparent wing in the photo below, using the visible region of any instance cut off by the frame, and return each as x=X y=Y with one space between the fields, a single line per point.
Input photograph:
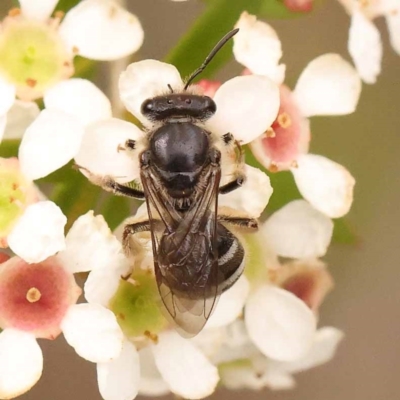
x=185 y=250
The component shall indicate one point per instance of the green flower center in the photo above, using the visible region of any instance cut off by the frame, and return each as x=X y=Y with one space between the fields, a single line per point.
x=136 y=305
x=12 y=199
x=32 y=56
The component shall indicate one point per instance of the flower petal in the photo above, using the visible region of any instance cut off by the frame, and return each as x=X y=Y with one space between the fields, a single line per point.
x=49 y=143
x=365 y=47
x=80 y=98
x=246 y=107
x=393 y=24
x=3 y=122
x=324 y=347
x=230 y=305
x=119 y=378
x=253 y=196
x=102 y=283
x=7 y=97
x=19 y=117
x=39 y=233
x=297 y=230
x=102 y=152
x=329 y=85
x=145 y=79
x=90 y=245
x=185 y=369
x=93 y=332
x=21 y=363
x=37 y=10
x=328 y=186
x=279 y=324
x=102 y=30
x=258 y=48
x=151 y=382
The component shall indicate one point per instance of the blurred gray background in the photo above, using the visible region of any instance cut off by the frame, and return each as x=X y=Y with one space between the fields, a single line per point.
x=366 y=300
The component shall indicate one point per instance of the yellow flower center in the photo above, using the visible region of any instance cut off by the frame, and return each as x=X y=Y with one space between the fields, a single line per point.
x=33 y=56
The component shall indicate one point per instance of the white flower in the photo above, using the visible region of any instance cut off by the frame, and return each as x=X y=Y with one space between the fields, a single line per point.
x=329 y=85
x=39 y=301
x=37 y=50
x=365 y=44
x=241 y=365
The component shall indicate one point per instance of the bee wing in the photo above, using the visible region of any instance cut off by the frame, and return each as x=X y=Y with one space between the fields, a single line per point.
x=185 y=251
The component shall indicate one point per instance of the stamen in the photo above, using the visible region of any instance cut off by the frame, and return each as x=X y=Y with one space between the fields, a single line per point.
x=152 y=336
x=33 y=295
x=284 y=120
x=270 y=133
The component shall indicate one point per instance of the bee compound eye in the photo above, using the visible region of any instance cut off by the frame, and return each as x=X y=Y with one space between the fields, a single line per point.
x=147 y=106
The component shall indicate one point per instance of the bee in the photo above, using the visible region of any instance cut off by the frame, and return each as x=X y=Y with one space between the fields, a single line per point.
x=196 y=256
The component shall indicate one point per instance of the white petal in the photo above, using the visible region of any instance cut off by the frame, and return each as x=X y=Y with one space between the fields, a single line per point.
x=393 y=23
x=19 y=117
x=80 y=98
x=365 y=46
x=90 y=245
x=119 y=379
x=39 y=233
x=246 y=107
x=101 y=152
x=257 y=47
x=38 y=10
x=151 y=382
x=102 y=30
x=279 y=324
x=93 y=332
x=145 y=79
x=324 y=347
x=7 y=96
x=328 y=186
x=329 y=85
x=49 y=143
x=185 y=369
x=230 y=305
x=102 y=283
x=297 y=230
x=3 y=122
x=253 y=196
x=21 y=363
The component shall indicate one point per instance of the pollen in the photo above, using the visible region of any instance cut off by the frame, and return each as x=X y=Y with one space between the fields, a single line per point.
x=31 y=82
x=59 y=14
x=33 y=295
x=14 y=12
x=270 y=133
x=152 y=336
x=284 y=120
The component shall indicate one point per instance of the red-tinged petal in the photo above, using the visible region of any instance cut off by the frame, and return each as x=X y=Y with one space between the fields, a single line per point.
x=299 y=5
x=35 y=297
x=288 y=136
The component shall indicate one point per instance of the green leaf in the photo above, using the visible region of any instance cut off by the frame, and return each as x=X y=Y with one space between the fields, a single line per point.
x=9 y=148
x=115 y=209
x=66 y=5
x=219 y=18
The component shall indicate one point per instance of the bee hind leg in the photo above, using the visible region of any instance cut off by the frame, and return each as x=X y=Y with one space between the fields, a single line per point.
x=129 y=245
x=242 y=222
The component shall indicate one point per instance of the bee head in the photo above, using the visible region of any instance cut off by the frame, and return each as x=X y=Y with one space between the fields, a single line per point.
x=178 y=106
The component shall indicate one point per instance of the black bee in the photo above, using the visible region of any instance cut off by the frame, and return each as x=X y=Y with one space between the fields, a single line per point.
x=196 y=257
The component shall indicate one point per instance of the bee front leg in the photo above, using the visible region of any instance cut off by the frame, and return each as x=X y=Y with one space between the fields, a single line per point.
x=109 y=184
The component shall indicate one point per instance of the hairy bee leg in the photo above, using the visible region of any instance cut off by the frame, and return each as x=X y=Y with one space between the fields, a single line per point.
x=239 y=174
x=129 y=230
x=250 y=223
x=110 y=185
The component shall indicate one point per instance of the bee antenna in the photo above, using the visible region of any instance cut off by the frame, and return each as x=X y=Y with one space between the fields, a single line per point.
x=212 y=54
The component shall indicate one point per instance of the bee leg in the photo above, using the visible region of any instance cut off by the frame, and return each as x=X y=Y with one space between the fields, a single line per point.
x=242 y=222
x=233 y=185
x=110 y=185
x=128 y=244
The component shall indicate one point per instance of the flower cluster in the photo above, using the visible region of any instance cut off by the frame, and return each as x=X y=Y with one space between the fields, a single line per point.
x=264 y=328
